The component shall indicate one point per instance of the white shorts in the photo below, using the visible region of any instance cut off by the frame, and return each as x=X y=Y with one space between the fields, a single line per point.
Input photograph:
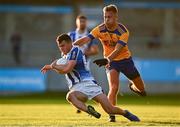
x=89 y=88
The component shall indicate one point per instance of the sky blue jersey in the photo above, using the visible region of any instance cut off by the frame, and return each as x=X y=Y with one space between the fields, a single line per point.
x=80 y=72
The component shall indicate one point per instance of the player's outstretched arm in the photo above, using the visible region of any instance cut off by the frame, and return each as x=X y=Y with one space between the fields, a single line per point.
x=115 y=52
x=47 y=67
x=82 y=41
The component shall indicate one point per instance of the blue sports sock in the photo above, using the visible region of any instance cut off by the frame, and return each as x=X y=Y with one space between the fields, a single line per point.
x=131 y=116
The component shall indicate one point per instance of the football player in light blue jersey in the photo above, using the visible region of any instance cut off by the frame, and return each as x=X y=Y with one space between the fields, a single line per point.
x=88 y=49
x=80 y=71
x=82 y=85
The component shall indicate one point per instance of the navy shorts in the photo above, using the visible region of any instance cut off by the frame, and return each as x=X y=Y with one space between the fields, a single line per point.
x=126 y=66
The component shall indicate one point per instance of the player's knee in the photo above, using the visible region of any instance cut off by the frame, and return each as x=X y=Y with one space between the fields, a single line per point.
x=69 y=97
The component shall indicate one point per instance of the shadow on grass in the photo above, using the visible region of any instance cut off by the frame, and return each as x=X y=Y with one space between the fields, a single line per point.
x=59 y=97
x=151 y=123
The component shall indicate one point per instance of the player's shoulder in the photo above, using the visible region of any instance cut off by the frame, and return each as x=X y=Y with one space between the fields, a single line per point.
x=74 y=52
x=122 y=28
x=102 y=27
x=99 y=27
x=76 y=49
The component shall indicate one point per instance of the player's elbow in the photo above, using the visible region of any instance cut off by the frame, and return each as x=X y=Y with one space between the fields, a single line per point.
x=66 y=70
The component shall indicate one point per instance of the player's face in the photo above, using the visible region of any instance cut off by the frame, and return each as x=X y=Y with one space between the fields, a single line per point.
x=81 y=23
x=64 y=47
x=110 y=18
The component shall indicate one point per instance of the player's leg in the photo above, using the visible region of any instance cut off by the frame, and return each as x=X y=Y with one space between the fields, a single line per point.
x=110 y=109
x=113 y=80
x=107 y=106
x=83 y=100
x=78 y=99
x=137 y=85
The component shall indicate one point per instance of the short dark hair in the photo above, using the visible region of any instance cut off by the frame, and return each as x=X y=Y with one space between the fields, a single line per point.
x=111 y=7
x=81 y=17
x=63 y=37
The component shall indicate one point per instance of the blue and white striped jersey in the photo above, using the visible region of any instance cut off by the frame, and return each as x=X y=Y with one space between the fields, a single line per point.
x=76 y=35
x=80 y=72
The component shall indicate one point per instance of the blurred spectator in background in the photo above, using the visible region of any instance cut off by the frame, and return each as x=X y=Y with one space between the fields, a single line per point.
x=155 y=41
x=16 y=40
x=88 y=49
x=81 y=30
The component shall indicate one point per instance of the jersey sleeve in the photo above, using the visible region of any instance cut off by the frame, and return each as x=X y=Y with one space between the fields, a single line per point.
x=94 y=33
x=123 y=39
x=73 y=54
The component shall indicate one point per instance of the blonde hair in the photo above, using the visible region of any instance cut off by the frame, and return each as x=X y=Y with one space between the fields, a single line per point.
x=111 y=7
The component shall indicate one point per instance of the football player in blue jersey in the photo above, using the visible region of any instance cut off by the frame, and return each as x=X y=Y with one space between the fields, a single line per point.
x=81 y=83
x=88 y=49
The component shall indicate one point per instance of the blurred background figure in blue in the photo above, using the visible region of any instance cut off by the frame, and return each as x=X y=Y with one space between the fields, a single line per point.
x=155 y=41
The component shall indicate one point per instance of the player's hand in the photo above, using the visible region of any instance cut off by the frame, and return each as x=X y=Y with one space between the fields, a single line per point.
x=46 y=68
x=101 y=62
x=107 y=66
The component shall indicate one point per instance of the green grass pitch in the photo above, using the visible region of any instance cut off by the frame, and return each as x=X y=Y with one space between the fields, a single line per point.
x=53 y=110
